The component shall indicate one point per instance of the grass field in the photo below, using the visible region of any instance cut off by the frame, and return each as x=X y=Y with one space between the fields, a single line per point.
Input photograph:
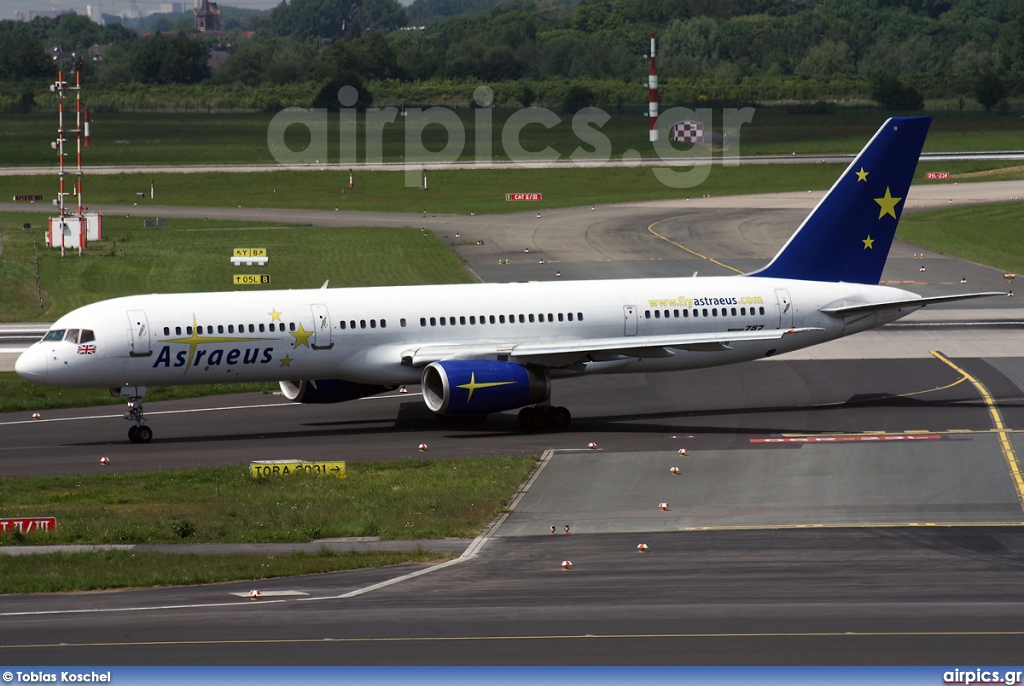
x=157 y=138
x=987 y=234
x=462 y=191
x=66 y=572
x=193 y=255
x=411 y=499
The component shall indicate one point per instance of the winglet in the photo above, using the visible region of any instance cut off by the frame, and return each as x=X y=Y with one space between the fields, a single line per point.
x=848 y=234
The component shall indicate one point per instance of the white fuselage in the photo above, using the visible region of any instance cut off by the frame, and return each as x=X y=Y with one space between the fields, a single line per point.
x=363 y=334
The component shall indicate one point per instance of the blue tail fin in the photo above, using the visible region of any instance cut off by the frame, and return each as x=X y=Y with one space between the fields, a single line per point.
x=848 y=235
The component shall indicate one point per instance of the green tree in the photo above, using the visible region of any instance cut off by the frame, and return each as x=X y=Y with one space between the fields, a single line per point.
x=23 y=56
x=989 y=90
x=170 y=59
x=889 y=92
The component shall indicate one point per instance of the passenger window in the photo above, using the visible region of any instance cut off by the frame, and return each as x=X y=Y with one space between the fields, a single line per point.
x=362 y=323
x=579 y=316
x=177 y=331
x=522 y=319
x=341 y=325
x=252 y=329
x=551 y=317
x=657 y=314
x=491 y=319
x=188 y=330
x=734 y=311
x=451 y=320
x=531 y=319
x=560 y=318
x=383 y=323
x=433 y=322
x=704 y=312
x=352 y=323
x=762 y=310
x=423 y=321
x=443 y=321
x=261 y=328
x=743 y=311
x=167 y=331
x=462 y=320
x=373 y=323
x=501 y=318
x=714 y=311
x=401 y=322
x=291 y=326
x=570 y=316
x=686 y=314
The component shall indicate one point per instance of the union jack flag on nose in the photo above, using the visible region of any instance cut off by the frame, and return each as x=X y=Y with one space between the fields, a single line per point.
x=86 y=349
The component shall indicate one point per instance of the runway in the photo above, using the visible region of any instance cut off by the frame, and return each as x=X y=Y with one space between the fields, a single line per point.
x=855 y=503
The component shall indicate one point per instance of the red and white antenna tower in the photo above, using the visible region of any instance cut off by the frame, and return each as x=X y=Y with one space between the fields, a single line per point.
x=652 y=85
x=60 y=89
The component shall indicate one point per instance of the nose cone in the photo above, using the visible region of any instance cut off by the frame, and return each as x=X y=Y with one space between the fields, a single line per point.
x=31 y=364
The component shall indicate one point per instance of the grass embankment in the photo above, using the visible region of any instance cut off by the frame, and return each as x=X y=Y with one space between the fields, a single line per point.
x=241 y=138
x=64 y=572
x=987 y=234
x=463 y=191
x=192 y=255
x=413 y=499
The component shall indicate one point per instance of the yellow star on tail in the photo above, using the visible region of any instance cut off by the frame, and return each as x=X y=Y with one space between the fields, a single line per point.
x=869 y=243
x=862 y=175
x=887 y=203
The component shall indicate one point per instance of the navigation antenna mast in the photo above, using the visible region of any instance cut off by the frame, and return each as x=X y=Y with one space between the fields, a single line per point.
x=61 y=88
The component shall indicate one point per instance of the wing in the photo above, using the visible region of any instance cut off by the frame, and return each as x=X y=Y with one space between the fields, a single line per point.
x=568 y=352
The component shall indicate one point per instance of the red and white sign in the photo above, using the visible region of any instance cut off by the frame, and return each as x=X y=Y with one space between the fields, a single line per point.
x=524 y=196
x=27 y=198
x=688 y=132
x=936 y=175
x=27 y=525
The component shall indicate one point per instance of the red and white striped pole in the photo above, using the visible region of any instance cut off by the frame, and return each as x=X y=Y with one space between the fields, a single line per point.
x=652 y=84
x=88 y=141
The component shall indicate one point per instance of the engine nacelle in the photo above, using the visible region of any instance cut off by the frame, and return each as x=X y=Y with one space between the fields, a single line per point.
x=462 y=388
x=327 y=391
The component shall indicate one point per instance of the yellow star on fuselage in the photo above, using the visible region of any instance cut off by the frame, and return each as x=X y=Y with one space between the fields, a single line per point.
x=862 y=175
x=301 y=336
x=887 y=204
x=869 y=243
x=473 y=385
x=286 y=361
x=195 y=338
x=275 y=316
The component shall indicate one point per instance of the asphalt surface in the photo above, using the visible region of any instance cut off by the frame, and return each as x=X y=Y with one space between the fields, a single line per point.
x=852 y=504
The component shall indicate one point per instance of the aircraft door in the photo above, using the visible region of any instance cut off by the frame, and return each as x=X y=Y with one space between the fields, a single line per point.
x=138 y=325
x=629 y=312
x=785 y=308
x=321 y=328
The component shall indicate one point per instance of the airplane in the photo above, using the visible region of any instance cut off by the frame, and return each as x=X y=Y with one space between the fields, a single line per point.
x=478 y=349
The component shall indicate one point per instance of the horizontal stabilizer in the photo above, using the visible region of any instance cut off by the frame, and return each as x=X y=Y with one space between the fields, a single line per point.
x=864 y=308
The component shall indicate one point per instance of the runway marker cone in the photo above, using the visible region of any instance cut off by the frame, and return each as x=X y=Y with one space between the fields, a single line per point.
x=104 y=461
x=566 y=529
x=403 y=389
x=674 y=471
x=682 y=452
x=36 y=415
x=663 y=506
x=254 y=594
x=526 y=250
x=566 y=565
x=351 y=181
x=642 y=548
x=552 y=529
x=423 y=447
x=591 y=446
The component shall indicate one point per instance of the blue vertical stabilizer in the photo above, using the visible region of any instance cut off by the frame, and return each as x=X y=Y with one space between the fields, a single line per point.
x=848 y=235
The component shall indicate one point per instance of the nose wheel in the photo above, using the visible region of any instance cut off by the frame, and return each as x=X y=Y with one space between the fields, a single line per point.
x=139 y=432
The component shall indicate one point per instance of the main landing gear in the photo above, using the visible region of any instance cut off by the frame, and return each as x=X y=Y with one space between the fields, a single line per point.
x=139 y=432
x=551 y=418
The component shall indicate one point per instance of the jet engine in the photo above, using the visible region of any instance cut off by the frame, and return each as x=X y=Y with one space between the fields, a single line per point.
x=464 y=388
x=321 y=391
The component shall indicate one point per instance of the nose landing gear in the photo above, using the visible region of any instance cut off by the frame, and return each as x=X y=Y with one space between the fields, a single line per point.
x=138 y=432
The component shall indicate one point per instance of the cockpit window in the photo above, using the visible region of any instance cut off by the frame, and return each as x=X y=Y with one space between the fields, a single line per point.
x=55 y=335
x=72 y=336
x=86 y=336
